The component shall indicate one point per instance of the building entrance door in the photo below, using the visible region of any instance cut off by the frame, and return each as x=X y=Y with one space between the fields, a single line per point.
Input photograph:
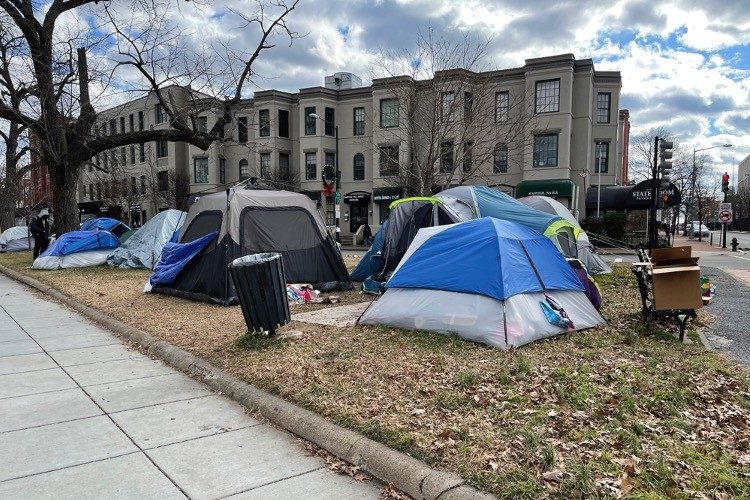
x=357 y=217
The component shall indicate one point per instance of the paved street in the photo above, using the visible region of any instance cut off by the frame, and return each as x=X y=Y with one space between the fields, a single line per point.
x=84 y=416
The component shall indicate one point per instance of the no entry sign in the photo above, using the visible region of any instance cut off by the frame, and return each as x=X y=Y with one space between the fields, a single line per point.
x=725 y=215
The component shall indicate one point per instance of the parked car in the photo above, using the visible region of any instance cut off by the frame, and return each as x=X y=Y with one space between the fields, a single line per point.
x=696 y=228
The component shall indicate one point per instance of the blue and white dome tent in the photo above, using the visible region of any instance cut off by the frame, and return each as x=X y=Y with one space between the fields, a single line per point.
x=488 y=280
x=77 y=249
x=114 y=226
x=144 y=248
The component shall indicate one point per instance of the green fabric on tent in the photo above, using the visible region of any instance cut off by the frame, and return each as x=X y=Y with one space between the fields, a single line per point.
x=126 y=235
x=430 y=199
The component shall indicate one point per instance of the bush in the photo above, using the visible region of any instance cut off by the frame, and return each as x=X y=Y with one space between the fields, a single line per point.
x=611 y=224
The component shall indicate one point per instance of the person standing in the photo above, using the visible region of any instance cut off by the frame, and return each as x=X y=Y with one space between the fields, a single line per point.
x=367 y=234
x=39 y=228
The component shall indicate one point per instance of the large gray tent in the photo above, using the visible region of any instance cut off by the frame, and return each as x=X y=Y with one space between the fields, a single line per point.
x=249 y=221
x=586 y=253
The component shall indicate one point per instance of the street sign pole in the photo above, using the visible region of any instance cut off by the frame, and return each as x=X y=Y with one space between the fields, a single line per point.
x=724 y=235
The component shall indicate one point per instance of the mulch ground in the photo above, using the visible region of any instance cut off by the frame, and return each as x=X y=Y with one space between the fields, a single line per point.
x=623 y=411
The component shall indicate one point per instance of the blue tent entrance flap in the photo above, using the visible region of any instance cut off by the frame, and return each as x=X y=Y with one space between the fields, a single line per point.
x=370 y=262
x=81 y=241
x=175 y=256
x=487 y=256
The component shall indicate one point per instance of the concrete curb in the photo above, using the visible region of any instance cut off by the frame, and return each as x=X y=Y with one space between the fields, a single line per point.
x=408 y=474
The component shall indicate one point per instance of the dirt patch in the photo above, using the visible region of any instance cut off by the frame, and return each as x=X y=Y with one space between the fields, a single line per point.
x=620 y=411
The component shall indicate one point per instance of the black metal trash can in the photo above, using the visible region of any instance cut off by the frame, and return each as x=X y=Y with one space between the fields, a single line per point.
x=261 y=289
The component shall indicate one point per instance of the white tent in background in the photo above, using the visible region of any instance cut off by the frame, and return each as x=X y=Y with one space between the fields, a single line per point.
x=586 y=254
x=16 y=239
x=144 y=247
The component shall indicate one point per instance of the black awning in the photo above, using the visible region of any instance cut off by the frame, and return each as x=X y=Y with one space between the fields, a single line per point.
x=636 y=197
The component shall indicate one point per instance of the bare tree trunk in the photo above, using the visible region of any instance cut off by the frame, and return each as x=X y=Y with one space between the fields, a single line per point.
x=7 y=205
x=64 y=181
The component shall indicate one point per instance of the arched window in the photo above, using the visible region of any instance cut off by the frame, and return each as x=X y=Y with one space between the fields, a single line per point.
x=244 y=170
x=500 y=164
x=359 y=167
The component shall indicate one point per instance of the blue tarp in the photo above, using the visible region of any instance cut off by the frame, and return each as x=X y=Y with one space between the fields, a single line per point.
x=81 y=241
x=487 y=256
x=175 y=256
x=493 y=203
x=370 y=262
x=104 y=223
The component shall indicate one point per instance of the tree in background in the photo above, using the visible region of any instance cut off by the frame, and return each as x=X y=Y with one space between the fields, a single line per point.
x=150 y=50
x=441 y=104
x=14 y=143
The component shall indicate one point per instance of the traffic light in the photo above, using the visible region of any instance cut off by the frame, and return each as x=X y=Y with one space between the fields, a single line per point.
x=665 y=161
x=725 y=183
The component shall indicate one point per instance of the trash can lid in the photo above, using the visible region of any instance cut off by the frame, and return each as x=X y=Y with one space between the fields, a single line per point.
x=256 y=258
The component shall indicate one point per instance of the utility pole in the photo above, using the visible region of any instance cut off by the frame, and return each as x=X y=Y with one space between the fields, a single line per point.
x=652 y=230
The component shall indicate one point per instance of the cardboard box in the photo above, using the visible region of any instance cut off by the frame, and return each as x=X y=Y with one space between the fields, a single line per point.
x=676 y=279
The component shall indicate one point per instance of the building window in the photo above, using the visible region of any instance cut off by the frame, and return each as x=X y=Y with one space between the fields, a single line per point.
x=388 y=161
x=112 y=127
x=113 y=157
x=502 y=104
x=330 y=123
x=468 y=106
x=159 y=115
x=91 y=191
x=242 y=129
x=547 y=96
x=284 y=172
x=388 y=113
x=602 y=107
x=222 y=171
x=500 y=160
x=311 y=166
x=98 y=191
x=545 y=150
x=446 y=105
x=283 y=123
x=132 y=154
x=264 y=122
x=244 y=169
x=265 y=165
x=123 y=156
x=359 y=167
x=446 y=157
x=142 y=152
x=131 y=122
x=133 y=186
x=143 y=184
x=359 y=121
x=162 y=179
x=310 y=121
x=468 y=146
x=162 y=150
x=200 y=170
x=122 y=124
x=141 y=125
x=601 y=157
x=201 y=123
x=330 y=210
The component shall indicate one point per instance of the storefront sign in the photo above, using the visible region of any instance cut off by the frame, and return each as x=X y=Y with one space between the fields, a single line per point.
x=386 y=195
x=640 y=195
x=357 y=198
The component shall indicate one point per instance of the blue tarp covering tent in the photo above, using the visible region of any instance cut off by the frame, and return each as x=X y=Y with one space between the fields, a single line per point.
x=78 y=249
x=114 y=226
x=370 y=262
x=486 y=280
x=175 y=256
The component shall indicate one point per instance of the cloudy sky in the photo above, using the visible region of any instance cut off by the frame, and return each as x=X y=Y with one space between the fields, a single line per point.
x=685 y=63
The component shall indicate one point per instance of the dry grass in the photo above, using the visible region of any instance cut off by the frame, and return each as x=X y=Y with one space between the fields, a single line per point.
x=620 y=411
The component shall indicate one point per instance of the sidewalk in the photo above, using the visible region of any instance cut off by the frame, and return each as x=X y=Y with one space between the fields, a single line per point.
x=84 y=416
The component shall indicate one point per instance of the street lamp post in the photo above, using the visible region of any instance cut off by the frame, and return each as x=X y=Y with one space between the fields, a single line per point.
x=693 y=180
x=337 y=197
